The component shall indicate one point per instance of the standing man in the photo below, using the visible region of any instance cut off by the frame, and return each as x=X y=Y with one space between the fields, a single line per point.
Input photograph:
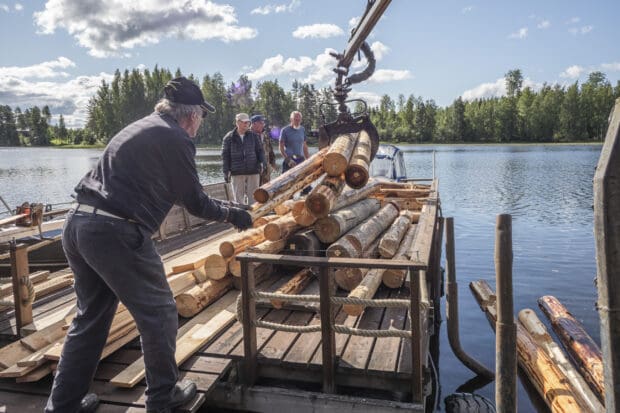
x=146 y=168
x=243 y=159
x=258 y=127
x=293 y=145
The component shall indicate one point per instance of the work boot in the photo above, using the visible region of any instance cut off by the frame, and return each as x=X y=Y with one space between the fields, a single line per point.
x=184 y=391
x=89 y=403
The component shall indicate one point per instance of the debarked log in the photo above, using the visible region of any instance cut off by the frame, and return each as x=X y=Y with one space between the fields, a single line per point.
x=323 y=197
x=337 y=223
x=359 y=238
x=339 y=153
x=584 y=351
x=394 y=235
x=195 y=299
x=302 y=215
x=280 y=228
x=294 y=177
x=216 y=266
x=356 y=173
x=365 y=290
x=294 y=286
x=348 y=278
x=238 y=242
x=394 y=278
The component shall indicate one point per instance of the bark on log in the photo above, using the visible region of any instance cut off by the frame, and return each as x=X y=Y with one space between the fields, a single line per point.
x=542 y=371
x=295 y=177
x=216 y=266
x=351 y=196
x=194 y=300
x=359 y=238
x=302 y=215
x=339 y=153
x=323 y=197
x=268 y=247
x=584 y=351
x=337 y=223
x=280 y=228
x=356 y=173
x=259 y=222
x=234 y=267
x=349 y=278
x=293 y=286
x=539 y=334
x=236 y=243
x=304 y=243
x=395 y=278
x=391 y=240
x=261 y=272
x=365 y=290
x=284 y=208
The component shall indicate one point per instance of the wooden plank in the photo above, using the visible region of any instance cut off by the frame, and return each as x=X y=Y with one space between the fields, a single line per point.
x=35 y=277
x=263 y=334
x=187 y=345
x=281 y=341
x=327 y=287
x=303 y=261
x=341 y=339
x=22 y=232
x=305 y=347
x=385 y=353
x=19 y=270
x=51 y=318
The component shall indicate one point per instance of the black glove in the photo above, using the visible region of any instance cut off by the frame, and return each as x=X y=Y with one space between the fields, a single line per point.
x=240 y=218
x=290 y=162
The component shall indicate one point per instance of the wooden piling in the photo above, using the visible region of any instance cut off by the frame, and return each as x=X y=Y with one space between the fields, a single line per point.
x=19 y=274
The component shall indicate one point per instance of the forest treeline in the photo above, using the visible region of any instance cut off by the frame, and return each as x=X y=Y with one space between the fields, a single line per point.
x=554 y=113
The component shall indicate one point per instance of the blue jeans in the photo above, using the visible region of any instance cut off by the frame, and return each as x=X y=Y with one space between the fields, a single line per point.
x=112 y=260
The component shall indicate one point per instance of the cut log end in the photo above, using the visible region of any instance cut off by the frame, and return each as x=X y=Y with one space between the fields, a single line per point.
x=318 y=205
x=394 y=278
x=261 y=196
x=215 y=267
x=335 y=164
x=356 y=176
x=227 y=249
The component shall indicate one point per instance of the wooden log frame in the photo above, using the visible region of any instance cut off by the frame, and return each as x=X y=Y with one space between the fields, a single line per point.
x=356 y=174
x=323 y=196
x=391 y=240
x=296 y=177
x=301 y=214
x=338 y=223
x=359 y=238
x=540 y=335
x=295 y=285
x=197 y=298
x=349 y=278
x=394 y=278
x=548 y=380
x=281 y=228
x=404 y=193
x=337 y=158
x=583 y=350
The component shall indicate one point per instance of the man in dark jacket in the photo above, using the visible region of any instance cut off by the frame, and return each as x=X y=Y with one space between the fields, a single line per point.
x=146 y=168
x=258 y=127
x=243 y=159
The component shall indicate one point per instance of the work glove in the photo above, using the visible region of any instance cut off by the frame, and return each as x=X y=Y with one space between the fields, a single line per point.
x=227 y=177
x=290 y=162
x=240 y=218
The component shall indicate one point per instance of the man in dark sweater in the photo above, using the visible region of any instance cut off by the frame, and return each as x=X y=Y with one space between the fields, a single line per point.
x=243 y=159
x=146 y=168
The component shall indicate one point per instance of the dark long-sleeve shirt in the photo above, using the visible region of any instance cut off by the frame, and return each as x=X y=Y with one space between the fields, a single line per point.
x=145 y=169
x=242 y=156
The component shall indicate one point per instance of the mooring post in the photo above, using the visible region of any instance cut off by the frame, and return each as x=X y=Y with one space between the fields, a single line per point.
x=607 y=237
x=505 y=327
x=452 y=308
x=19 y=276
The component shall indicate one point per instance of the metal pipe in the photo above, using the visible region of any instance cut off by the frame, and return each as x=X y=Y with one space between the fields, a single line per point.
x=505 y=327
x=452 y=308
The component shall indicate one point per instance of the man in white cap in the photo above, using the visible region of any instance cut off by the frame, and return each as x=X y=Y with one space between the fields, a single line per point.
x=243 y=159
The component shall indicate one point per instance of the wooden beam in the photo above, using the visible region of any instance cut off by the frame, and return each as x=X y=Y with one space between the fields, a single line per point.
x=19 y=275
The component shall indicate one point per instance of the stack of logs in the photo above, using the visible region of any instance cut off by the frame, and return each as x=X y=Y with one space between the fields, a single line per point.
x=346 y=214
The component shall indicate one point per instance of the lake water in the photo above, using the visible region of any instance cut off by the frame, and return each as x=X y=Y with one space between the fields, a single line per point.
x=547 y=189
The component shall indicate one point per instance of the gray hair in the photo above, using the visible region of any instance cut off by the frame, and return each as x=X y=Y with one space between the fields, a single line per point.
x=295 y=112
x=178 y=111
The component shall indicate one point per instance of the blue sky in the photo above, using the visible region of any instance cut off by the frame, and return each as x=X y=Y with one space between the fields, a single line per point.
x=56 y=52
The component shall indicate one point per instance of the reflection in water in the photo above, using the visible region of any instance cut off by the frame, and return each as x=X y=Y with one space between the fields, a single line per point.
x=547 y=189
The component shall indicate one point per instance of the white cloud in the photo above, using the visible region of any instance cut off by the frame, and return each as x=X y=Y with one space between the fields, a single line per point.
x=277 y=65
x=573 y=72
x=69 y=98
x=320 y=30
x=581 y=30
x=467 y=9
x=379 y=50
x=372 y=99
x=112 y=28
x=4 y=7
x=544 y=24
x=574 y=20
x=386 y=75
x=276 y=8
x=611 y=67
x=519 y=34
x=18 y=7
x=495 y=89
x=40 y=70
x=353 y=21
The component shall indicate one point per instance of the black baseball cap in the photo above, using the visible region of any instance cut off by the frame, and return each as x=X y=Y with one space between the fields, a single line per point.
x=184 y=91
x=257 y=118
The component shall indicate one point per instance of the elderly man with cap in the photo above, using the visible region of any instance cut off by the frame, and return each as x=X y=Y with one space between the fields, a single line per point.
x=258 y=127
x=145 y=169
x=243 y=159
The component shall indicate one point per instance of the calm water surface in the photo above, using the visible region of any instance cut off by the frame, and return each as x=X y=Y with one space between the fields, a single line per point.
x=547 y=189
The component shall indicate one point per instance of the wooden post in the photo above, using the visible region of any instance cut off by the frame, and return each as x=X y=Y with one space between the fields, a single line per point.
x=248 y=285
x=19 y=275
x=506 y=329
x=607 y=237
x=328 y=316
x=417 y=376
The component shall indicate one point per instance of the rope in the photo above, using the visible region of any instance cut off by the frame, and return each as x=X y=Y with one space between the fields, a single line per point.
x=25 y=301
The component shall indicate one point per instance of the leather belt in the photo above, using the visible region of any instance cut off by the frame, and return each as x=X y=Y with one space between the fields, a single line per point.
x=96 y=211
